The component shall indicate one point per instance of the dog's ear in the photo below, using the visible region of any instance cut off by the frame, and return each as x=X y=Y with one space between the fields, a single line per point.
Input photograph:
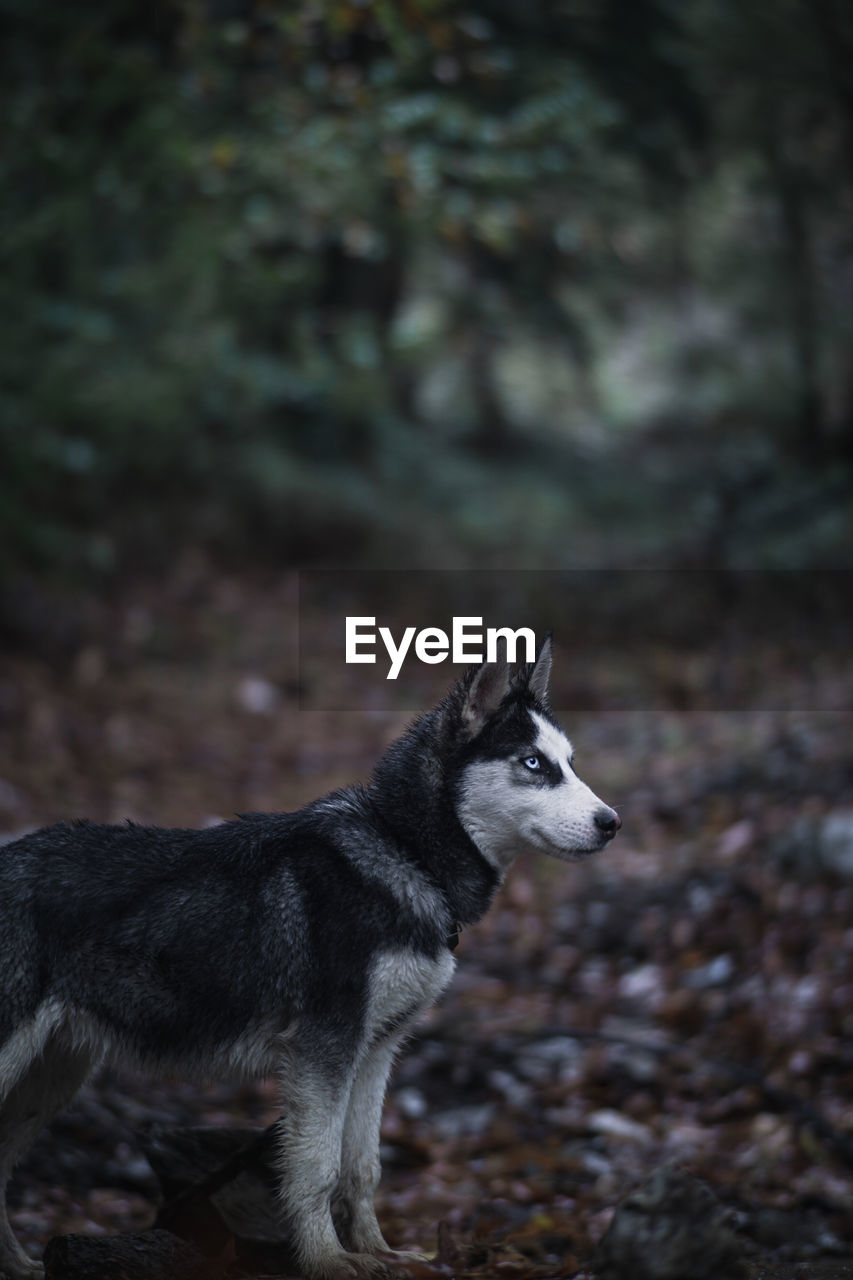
x=485 y=694
x=540 y=675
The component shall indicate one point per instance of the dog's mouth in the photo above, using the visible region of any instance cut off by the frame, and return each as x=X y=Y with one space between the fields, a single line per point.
x=568 y=853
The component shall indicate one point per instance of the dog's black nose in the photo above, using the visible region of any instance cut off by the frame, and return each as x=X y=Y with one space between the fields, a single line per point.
x=608 y=821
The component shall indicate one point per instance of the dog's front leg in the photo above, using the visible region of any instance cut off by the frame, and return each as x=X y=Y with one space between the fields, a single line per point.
x=353 y=1208
x=352 y=1203
x=309 y=1160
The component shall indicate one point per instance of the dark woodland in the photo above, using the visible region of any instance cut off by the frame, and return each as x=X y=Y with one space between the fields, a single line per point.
x=558 y=293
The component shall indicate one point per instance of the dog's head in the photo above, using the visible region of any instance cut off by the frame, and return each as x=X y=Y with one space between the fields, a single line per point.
x=516 y=785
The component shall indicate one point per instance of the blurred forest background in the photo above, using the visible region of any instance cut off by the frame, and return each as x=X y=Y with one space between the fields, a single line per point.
x=428 y=284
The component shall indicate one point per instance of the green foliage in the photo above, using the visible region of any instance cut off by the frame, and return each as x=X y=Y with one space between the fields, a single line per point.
x=312 y=280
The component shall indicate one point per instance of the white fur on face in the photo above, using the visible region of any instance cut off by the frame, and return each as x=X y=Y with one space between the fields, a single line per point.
x=505 y=811
x=553 y=743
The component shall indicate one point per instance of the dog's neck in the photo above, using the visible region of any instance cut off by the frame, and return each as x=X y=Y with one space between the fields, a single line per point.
x=411 y=793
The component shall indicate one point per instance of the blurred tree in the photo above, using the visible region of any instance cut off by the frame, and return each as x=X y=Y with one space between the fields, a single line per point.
x=275 y=272
x=779 y=103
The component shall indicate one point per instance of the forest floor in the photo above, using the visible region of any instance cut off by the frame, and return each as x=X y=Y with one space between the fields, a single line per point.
x=684 y=1000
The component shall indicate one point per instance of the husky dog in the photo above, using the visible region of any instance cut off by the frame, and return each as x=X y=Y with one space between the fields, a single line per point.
x=301 y=944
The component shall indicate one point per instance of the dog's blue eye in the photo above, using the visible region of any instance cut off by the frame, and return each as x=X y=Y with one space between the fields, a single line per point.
x=532 y=762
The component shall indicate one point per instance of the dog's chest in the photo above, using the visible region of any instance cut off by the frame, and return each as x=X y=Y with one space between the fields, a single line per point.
x=402 y=983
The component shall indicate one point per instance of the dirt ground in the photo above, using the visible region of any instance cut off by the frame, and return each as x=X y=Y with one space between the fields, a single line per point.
x=685 y=1000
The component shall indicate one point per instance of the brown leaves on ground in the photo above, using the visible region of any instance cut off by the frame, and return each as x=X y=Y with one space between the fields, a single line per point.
x=685 y=999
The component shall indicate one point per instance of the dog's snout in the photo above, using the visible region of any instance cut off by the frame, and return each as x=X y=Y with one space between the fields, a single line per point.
x=608 y=821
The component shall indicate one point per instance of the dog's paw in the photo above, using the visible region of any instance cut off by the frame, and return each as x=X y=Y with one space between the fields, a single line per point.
x=405 y=1258
x=362 y=1266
